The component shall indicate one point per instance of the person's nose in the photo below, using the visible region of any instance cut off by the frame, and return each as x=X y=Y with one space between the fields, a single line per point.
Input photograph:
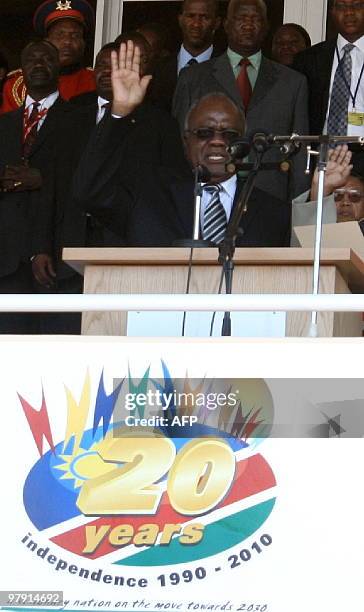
x=196 y=21
x=218 y=140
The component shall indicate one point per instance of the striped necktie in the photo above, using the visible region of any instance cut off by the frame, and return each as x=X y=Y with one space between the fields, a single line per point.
x=337 y=123
x=30 y=129
x=214 y=224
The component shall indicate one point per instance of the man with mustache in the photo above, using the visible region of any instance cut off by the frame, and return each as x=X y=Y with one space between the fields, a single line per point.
x=64 y=23
x=272 y=97
x=154 y=205
x=25 y=135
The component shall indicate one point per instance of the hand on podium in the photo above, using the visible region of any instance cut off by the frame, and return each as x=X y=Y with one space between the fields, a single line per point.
x=128 y=87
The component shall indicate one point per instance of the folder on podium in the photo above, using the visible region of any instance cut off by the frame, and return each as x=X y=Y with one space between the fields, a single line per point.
x=334 y=235
x=257 y=271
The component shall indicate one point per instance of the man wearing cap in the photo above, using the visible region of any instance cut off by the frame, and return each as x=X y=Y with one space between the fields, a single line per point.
x=63 y=23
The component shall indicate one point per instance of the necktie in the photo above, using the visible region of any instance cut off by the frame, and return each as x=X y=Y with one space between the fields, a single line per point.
x=192 y=61
x=338 y=115
x=361 y=225
x=215 y=223
x=243 y=83
x=30 y=129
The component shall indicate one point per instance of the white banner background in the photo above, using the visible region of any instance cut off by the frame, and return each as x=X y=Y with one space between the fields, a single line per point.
x=315 y=559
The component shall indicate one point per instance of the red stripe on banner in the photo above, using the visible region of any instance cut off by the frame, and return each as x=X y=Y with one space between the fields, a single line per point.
x=253 y=476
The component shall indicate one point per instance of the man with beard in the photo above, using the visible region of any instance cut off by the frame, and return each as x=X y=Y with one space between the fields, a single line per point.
x=64 y=24
x=24 y=162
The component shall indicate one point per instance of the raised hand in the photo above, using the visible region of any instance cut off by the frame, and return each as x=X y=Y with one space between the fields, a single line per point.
x=337 y=171
x=128 y=88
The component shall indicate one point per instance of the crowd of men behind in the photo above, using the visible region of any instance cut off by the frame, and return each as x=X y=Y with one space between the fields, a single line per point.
x=105 y=157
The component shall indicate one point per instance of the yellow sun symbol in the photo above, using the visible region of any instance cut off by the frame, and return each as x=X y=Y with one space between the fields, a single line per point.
x=82 y=466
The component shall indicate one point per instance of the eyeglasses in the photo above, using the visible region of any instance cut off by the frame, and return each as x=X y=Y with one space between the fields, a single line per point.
x=354 y=6
x=354 y=195
x=206 y=133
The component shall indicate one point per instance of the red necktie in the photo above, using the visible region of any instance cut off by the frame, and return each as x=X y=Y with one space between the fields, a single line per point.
x=243 y=83
x=30 y=127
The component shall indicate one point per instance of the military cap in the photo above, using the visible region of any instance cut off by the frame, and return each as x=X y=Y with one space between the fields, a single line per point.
x=51 y=10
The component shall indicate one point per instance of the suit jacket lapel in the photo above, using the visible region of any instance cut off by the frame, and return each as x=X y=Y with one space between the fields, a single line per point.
x=324 y=73
x=265 y=81
x=224 y=75
x=49 y=124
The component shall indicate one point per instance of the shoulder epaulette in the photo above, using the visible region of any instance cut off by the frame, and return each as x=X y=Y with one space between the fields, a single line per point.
x=14 y=72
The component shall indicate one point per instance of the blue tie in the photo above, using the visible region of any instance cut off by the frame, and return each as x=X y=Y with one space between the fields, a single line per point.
x=214 y=224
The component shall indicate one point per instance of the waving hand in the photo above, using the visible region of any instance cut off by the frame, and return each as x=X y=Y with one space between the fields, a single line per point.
x=129 y=88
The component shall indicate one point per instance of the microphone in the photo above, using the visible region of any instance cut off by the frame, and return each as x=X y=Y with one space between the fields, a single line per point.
x=261 y=141
x=239 y=148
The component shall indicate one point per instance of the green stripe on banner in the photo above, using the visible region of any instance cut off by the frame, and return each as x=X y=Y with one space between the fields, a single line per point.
x=218 y=536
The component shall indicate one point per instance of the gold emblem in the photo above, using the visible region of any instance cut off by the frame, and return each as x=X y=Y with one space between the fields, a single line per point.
x=64 y=6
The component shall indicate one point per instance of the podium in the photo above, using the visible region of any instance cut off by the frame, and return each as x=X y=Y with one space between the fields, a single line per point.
x=257 y=271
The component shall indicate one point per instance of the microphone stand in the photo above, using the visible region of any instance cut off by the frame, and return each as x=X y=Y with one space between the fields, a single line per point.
x=227 y=247
x=323 y=152
x=201 y=175
x=324 y=141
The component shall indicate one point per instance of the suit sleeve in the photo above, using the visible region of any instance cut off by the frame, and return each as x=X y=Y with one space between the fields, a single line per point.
x=99 y=187
x=171 y=148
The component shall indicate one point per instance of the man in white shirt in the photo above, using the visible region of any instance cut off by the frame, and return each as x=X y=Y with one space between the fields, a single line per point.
x=198 y=22
x=334 y=70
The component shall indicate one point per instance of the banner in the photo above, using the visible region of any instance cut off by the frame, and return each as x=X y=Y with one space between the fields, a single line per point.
x=190 y=475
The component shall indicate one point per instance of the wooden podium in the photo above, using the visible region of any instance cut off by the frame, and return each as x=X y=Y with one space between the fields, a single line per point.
x=155 y=270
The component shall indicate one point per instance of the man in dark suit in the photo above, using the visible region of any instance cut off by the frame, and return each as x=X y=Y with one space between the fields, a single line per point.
x=24 y=159
x=154 y=140
x=154 y=206
x=198 y=22
x=273 y=97
x=323 y=66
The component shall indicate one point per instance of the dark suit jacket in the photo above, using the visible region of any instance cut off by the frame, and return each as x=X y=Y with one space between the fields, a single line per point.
x=154 y=139
x=316 y=64
x=18 y=211
x=279 y=105
x=164 y=81
x=154 y=206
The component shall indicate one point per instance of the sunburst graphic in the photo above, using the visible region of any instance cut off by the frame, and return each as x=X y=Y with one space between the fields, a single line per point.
x=83 y=465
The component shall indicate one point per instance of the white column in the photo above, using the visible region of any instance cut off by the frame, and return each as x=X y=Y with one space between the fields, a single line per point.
x=311 y=14
x=109 y=18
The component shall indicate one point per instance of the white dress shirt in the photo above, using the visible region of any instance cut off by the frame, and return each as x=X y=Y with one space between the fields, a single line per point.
x=46 y=103
x=357 y=56
x=227 y=195
x=184 y=57
x=101 y=103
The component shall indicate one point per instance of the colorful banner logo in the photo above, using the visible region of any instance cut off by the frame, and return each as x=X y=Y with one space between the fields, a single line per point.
x=157 y=472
